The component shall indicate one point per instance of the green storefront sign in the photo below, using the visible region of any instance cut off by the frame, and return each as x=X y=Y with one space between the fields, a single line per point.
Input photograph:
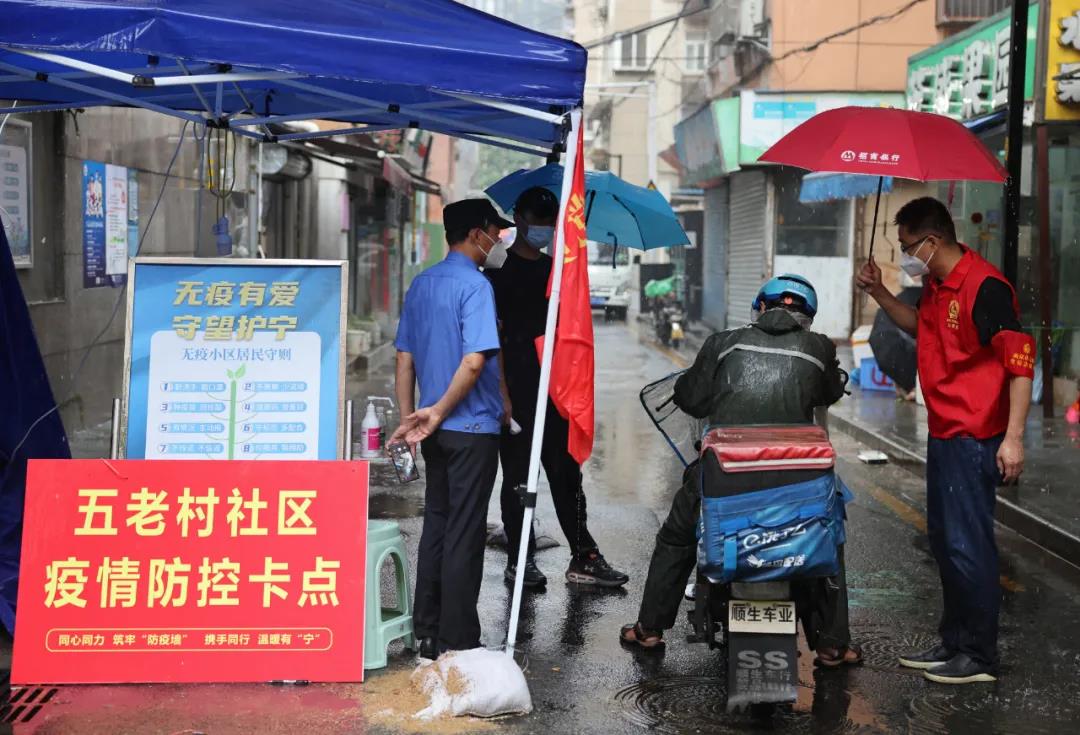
x=968 y=75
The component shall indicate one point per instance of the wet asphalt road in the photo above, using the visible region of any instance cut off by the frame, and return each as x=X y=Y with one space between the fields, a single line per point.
x=583 y=681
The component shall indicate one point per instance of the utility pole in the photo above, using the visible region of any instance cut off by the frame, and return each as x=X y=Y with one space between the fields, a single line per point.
x=650 y=149
x=650 y=125
x=1015 y=145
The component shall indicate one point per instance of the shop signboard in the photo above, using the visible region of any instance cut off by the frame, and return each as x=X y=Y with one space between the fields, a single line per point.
x=235 y=359
x=159 y=571
x=765 y=117
x=967 y=76
x=1063 y=61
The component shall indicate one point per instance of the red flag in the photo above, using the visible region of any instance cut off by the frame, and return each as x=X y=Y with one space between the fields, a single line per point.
x=572 y=366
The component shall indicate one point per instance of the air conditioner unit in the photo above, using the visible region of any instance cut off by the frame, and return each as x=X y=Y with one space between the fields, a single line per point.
x=751 y=18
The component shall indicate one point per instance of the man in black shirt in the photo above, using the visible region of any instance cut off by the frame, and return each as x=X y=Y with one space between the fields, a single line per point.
x=521 y=303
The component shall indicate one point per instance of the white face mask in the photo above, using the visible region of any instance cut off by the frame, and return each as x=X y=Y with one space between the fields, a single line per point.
x=494 y=258
x=539 y=236
x=914 y=266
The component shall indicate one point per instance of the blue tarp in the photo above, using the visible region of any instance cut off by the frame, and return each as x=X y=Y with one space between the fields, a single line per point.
x=27 y=428
x=828 y=187
x=394 y=53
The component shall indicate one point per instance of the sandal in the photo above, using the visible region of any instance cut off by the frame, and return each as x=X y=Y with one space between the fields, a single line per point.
x=634 y=634
x=832 y=658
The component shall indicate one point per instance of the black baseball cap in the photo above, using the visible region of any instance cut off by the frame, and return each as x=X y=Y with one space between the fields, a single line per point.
x=538 y=201
x=470 y=213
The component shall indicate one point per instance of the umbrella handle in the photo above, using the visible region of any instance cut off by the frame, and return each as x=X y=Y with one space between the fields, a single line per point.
x=877 y=205
x=615 y=252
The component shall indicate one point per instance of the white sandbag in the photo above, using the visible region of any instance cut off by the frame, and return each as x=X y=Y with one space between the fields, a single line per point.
x=480 y=682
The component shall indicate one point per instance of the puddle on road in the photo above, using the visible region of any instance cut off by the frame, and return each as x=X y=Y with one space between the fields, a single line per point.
x=974 y=712
x=393 y=505
x=696 y=704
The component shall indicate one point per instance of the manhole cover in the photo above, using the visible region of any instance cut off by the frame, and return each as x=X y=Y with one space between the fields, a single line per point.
x=696 y=704
x=882 y=647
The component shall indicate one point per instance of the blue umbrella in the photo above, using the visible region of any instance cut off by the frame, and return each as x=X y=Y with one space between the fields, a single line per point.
x=616 y=212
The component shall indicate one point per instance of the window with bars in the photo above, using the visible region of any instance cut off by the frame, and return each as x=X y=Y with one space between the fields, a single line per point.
x=951 y=12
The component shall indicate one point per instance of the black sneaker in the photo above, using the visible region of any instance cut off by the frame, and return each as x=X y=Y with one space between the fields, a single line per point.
x=931 y=657
x=961 y=669
x=533 y=576
x=593 y=569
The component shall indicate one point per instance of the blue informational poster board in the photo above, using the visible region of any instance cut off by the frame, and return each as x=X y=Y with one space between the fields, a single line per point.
x=110 y=223
x=235 y=359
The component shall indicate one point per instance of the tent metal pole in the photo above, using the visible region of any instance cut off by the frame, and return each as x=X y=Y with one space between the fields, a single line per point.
x=96 y=102
x=95 y=69
x=325 y=114
x=197 y=91
x=261 y=137
x=410 y=112
x=122 y=99
x=25 y=109
x=89 y=75
x=548 y=117
x=572 y=154
x=338 y=131
x=230 y=77
x=501 y=144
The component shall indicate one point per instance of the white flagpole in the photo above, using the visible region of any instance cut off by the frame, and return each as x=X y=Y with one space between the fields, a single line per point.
x=572 y=154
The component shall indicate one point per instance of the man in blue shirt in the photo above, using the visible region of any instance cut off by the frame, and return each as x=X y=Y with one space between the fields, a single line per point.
x=448 y=342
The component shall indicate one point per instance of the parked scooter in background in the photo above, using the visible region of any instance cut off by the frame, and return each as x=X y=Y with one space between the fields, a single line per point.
x=668 y=320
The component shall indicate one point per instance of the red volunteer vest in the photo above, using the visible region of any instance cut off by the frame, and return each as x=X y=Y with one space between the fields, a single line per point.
x=966 y=384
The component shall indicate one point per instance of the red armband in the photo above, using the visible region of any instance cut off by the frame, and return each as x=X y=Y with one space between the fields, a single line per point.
x=1016 y=351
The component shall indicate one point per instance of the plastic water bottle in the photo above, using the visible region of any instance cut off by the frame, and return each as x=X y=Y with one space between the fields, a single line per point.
x=369 y=434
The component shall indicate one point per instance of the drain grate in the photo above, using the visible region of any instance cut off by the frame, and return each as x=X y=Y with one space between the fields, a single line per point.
x=21 y=704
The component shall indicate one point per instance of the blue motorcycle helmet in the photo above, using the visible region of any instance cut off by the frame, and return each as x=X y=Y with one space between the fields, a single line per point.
x=789 y=289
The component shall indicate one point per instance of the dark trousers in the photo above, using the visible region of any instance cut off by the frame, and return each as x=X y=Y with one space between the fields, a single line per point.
x=961 y=485
x=563 y=473
x=821 y=603
x=460 y=470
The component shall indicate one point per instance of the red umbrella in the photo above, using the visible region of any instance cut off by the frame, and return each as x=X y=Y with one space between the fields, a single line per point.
x=884 y=141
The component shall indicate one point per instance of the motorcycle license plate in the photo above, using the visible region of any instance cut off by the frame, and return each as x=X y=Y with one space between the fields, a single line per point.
x=758 y=616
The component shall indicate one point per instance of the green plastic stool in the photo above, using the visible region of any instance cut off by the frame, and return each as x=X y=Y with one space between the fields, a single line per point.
x=383 y=625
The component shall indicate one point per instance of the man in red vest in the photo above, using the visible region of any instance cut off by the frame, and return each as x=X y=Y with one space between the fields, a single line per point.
x=975 y=368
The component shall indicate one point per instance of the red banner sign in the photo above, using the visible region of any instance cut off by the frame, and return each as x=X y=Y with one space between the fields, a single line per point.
x=214 y=571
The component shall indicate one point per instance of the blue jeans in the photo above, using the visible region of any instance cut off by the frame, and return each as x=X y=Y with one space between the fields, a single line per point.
x=961 y=483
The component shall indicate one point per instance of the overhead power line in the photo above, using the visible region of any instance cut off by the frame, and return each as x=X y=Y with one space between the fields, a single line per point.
x=652 y=63
x=611 y=37
x=883 y=18
x=814 y=46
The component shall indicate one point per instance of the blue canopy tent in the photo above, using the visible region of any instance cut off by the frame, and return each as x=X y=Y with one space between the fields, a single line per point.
x=374 y=64
x=371 y=65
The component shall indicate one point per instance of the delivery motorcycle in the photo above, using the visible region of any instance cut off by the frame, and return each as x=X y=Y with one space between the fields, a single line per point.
x=668 y=320
x=772 y=515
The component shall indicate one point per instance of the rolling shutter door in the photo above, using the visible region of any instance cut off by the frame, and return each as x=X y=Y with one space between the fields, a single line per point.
x=749 y=243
